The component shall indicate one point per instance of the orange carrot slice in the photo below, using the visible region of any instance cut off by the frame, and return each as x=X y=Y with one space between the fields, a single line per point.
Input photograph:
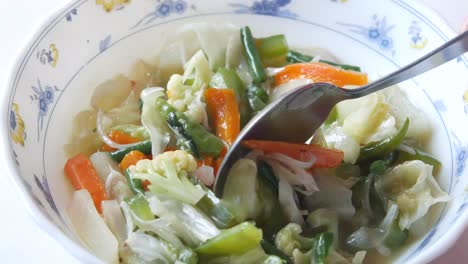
x=82 y=175
x=224 y=113
x=320 y=72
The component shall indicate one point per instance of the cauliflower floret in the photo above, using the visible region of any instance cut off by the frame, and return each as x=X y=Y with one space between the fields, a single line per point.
x=168 y=174
x=185 y=92
x=288 y=239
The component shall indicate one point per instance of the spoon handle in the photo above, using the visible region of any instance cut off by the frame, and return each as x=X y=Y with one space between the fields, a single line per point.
x=437 y=57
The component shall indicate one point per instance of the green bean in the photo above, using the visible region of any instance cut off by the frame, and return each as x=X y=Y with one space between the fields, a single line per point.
x=144 y=147
x=258 y=98
x=184 y=140
x=252 y=56
x=297 y=57
x=136 y=185
x=205 y=142
x=381 y=148
x=418 y=155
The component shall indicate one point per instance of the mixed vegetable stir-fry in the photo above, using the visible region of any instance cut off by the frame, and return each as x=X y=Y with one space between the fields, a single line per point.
x=143 y=161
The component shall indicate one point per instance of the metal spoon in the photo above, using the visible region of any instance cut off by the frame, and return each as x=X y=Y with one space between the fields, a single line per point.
x=297 y=115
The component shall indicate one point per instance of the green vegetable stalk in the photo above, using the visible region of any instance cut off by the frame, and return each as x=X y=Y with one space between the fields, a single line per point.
x=216 y=210
x=144 y=146
x=323 y=242
x=205 y=142
x=273 y=50
x=258 y=98
x=418 y=155
x=297 y=57
x=136 y=185
x=252 y=56
x=184 y=140
x=236 y=240
x=376 y=150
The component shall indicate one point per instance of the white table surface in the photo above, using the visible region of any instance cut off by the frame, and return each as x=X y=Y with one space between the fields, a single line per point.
x=21 y=240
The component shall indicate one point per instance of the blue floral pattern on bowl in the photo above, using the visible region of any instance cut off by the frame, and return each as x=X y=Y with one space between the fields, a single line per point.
x=70 y=14
x=265 y=7
x=44 y=98
x=418 y=40
x=377 y=32
x=48 y=56
x=162 y=10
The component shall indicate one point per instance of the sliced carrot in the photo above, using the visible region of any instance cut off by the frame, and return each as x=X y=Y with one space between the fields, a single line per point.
x=120 y=138
x=326 y=158
x=82 y=175
x=132 y=158
x=320 y=72
x=223 y=112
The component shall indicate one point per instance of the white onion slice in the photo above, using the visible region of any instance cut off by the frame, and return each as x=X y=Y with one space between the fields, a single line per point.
x=105 y=138
x=114 y=219
x=292 y=163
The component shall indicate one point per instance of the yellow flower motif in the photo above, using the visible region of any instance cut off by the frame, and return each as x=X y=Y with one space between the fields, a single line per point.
x=109 y=5
x=465 y=97
x=420 y=44
x=54 y=54
x=17 y=132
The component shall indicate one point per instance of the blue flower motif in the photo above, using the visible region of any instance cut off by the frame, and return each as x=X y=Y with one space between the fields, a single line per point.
x=373 y=33
x=386 y=43
x=417 y=38
x=49 y=95
x=70 y=14
x=43 y=106
x=12 y=120
x=377 y=32
x=180 y=6
x=44 y=98
x=265 y=7
x=164 y=8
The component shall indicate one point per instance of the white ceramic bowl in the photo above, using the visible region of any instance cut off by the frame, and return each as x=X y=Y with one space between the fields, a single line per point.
x=90 y=41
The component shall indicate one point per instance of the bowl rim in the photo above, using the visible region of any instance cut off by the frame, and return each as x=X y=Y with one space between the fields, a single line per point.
x=78 y=251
